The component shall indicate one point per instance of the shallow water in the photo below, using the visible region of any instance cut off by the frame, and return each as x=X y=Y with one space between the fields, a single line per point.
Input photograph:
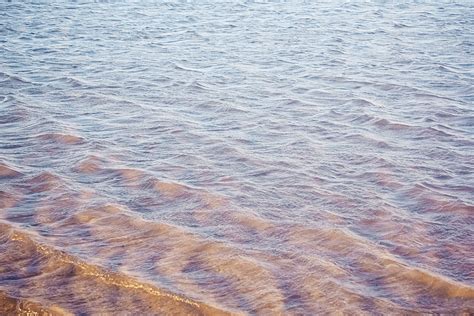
x=263 y=158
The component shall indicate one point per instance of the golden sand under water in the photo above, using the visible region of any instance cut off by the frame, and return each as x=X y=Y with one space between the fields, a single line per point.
x=101 y=258
x=70 y=280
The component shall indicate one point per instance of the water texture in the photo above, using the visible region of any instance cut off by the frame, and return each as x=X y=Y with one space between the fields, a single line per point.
x=215 y=158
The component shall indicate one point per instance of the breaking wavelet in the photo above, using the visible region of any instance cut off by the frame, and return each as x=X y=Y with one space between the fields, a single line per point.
x=23 y=259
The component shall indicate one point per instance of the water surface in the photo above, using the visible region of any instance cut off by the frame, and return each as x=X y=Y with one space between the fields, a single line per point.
x=258 y=158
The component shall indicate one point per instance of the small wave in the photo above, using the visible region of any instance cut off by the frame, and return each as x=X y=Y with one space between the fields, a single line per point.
x=14 y=112
x=363 y=103
x=363 y=118
x=185 y=68
x=90 y=165
x=10 y=305
x=73 y=82
x=432 y=131
x=40 y=268
x=364 y=138
x=381 y=178
x=433 y=291
x=43 y=182
x=12 y=81
x=64 y=139
x=169 y=190
x=220 y=107
x=399 y=278
x=400 y=25
x=169 y=251
x=8 y=200
x=387 y=124
x=7 y=172
x=433 y=202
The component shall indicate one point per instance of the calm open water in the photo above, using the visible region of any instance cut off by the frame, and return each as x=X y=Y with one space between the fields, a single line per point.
x=258 y=158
